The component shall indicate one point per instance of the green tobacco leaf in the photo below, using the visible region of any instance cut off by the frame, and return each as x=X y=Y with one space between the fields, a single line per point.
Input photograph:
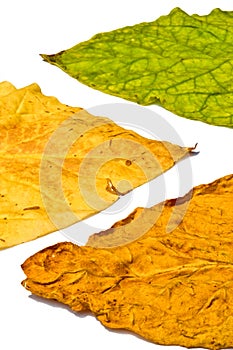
x=181 y=62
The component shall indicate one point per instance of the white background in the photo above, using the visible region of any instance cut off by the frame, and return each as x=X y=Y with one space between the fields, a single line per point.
x=28 y=28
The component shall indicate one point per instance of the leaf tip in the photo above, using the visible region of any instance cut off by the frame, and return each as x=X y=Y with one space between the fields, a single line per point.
x=192 y=150
x=49 y=58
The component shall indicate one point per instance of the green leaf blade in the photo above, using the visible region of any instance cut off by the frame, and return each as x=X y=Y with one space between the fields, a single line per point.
x=183 y=63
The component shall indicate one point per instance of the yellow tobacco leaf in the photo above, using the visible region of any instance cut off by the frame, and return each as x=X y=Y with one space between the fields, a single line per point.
x=171 y=288
x=6 y=88
x=60 y=164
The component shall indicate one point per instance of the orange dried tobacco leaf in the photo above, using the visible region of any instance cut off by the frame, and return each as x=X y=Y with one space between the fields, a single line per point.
x=170 y=288
x=60 y=164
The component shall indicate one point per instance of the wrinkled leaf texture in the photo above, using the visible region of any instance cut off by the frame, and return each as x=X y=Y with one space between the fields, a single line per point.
x=171 y=288
x=181 y=62
x=60 y=164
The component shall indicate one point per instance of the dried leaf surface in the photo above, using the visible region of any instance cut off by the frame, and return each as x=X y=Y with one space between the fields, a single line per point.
x=60 y=164
x=181 y=62
x=171 y=288
x=5 y=88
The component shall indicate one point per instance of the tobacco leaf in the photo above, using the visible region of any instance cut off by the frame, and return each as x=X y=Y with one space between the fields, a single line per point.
x=5 y=88
x=181 y=62
x=60 y=164
x=170 y=288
